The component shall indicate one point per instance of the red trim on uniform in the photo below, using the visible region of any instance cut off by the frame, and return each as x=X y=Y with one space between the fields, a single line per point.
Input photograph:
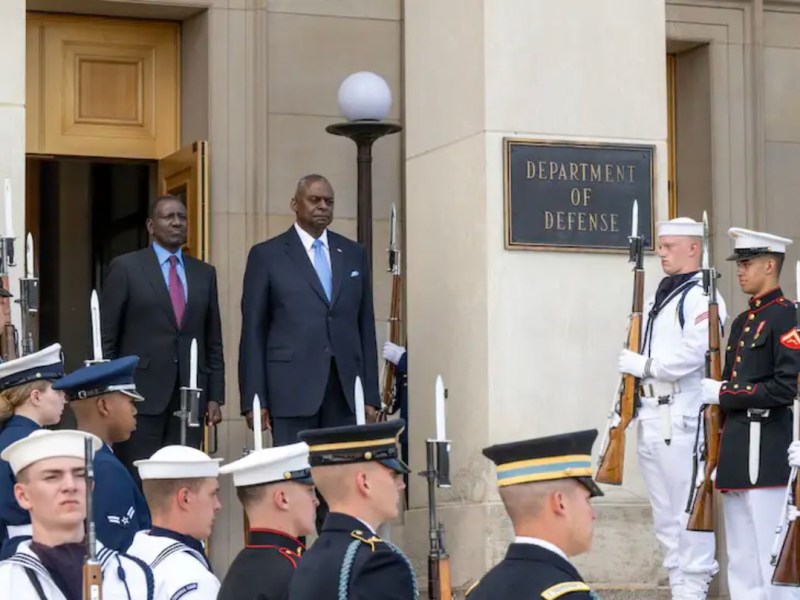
x=757 y=487
x=282 y=533
x=288 y=554
x=741 y=391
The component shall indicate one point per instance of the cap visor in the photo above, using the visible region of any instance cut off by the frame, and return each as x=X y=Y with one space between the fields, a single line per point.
x=590 y=485
x=396 y=465
x=137 y=397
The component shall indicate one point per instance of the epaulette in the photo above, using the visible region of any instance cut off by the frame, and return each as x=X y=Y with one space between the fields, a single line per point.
x=369 y=541
x=560 y=589
x=472 y=587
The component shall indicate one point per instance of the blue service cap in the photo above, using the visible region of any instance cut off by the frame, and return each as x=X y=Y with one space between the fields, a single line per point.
x=46 y=364
x=356 y=443
x=101 y=378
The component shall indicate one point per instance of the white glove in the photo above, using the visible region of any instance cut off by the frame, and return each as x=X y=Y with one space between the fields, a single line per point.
x=633 y=364
x=710 y=390
x=794 y=454
x=701 y=475
x=393 y=353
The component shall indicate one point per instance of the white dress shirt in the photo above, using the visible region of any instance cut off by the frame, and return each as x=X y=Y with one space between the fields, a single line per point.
x=307 y=241
x=541 y=543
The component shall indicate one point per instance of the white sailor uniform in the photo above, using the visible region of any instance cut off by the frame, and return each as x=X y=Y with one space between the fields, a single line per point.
x=179 y=571
x=676 y=338
x=124 y=578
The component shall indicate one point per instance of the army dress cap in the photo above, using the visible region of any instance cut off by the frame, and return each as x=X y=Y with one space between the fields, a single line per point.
x=102 y=378
x=46 y=364
x=356 y=443
x=271 y=465
x=680 y=226
x=563 y=456
x=178 y=462
x=747 y=243
x=44 y=443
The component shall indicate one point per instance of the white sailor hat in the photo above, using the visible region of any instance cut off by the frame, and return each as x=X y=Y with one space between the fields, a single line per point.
x=747 y=243
x=270 y=465
x=178 y=462
x=46 y=364
x=680 y=226
x=44 y=443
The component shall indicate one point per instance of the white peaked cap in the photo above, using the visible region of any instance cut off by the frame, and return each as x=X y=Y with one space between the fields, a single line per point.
x=680 y=226
x=746 y=239
x=178 y=462
x=45 y=364
x=43 y=443
x=270 y=465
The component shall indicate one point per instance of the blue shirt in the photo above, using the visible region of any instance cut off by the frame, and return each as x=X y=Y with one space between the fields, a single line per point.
x=162 y=254
x=119 y=508
x=11 y=513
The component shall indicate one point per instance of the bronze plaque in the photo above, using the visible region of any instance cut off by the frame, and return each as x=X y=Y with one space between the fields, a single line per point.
x=576 y=196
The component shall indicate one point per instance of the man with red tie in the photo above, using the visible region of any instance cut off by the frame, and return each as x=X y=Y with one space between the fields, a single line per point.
x=153 y=303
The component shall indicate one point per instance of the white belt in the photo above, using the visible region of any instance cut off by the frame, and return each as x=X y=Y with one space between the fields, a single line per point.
x=660 y=395
x=19 y=530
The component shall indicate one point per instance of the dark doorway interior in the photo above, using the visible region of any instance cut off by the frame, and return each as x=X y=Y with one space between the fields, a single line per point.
x=83 y=213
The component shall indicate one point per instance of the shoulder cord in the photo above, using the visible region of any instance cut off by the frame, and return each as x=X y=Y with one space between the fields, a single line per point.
x=349 y=560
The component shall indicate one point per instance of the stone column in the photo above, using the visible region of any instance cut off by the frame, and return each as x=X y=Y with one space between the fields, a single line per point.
x=526 y=341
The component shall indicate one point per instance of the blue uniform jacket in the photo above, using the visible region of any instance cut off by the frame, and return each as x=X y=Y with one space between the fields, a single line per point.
x=119 y=508
x=11 y=514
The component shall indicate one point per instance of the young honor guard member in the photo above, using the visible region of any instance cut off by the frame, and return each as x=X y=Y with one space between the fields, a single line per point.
x=27 y=403
x=181 y=487
x=546 y=487
x=275 y=488
x=51 y=485
x=670 y=367
x=358 y=470
x=755 y=397
x=102 y=396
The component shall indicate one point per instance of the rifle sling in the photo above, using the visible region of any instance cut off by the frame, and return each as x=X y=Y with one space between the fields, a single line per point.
x=35 y=583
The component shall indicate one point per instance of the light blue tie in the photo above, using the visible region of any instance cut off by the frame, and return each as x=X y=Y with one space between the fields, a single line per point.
x=322 y=267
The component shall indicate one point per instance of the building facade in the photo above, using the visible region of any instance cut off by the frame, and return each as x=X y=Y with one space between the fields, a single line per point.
x=100 y=96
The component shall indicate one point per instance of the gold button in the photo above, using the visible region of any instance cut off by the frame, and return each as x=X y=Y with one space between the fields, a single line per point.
x=746 y=329
x=736 y=386
x=729 y=348
x=734 y=374
x=741 y=344
x=749 y=387
x=738 y=359
x=287 y=475
x=758 y=303
x=368 y=455
x=752 y=345
x=751 y=316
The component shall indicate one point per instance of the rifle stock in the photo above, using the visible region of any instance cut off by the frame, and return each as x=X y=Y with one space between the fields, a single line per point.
x=439 y=578
x=92 y=573
x=701 y=515
x=787 y=571
x=612 y=460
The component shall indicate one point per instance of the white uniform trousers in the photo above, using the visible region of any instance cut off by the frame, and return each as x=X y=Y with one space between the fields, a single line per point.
x=667 y=472
x=750 y=520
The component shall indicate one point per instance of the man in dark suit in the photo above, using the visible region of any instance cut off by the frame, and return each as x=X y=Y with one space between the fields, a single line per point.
x=308 y=327
x=154 y=302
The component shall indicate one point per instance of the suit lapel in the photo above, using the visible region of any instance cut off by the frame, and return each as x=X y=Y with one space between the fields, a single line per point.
x=155 y=277
x=296 y=251
x=192 y=269
x=337 y=266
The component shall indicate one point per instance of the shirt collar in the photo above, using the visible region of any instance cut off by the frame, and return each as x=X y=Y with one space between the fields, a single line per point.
x=520 y=539
x=307 y=240
x=188 y=540
x=163 y=254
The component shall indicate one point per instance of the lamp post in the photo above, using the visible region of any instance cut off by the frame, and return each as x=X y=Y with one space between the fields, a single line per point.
x=364 y=100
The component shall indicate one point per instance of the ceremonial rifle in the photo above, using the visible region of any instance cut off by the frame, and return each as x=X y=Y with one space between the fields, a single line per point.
x=28 y=300
x=8 y=337
x=787 y=564
x=258 y=444
x=92 y=573
x=188 y=414
x=701 y=502
x=389 y=394
x=437 y=473
x=612 y=458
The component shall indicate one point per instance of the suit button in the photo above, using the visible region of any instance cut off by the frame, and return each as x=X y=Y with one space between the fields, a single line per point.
x=175 y=359
x=326 y=349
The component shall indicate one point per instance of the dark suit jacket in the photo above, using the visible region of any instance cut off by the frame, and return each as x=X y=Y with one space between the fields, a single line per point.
x=290 y=332
x=137 y=318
